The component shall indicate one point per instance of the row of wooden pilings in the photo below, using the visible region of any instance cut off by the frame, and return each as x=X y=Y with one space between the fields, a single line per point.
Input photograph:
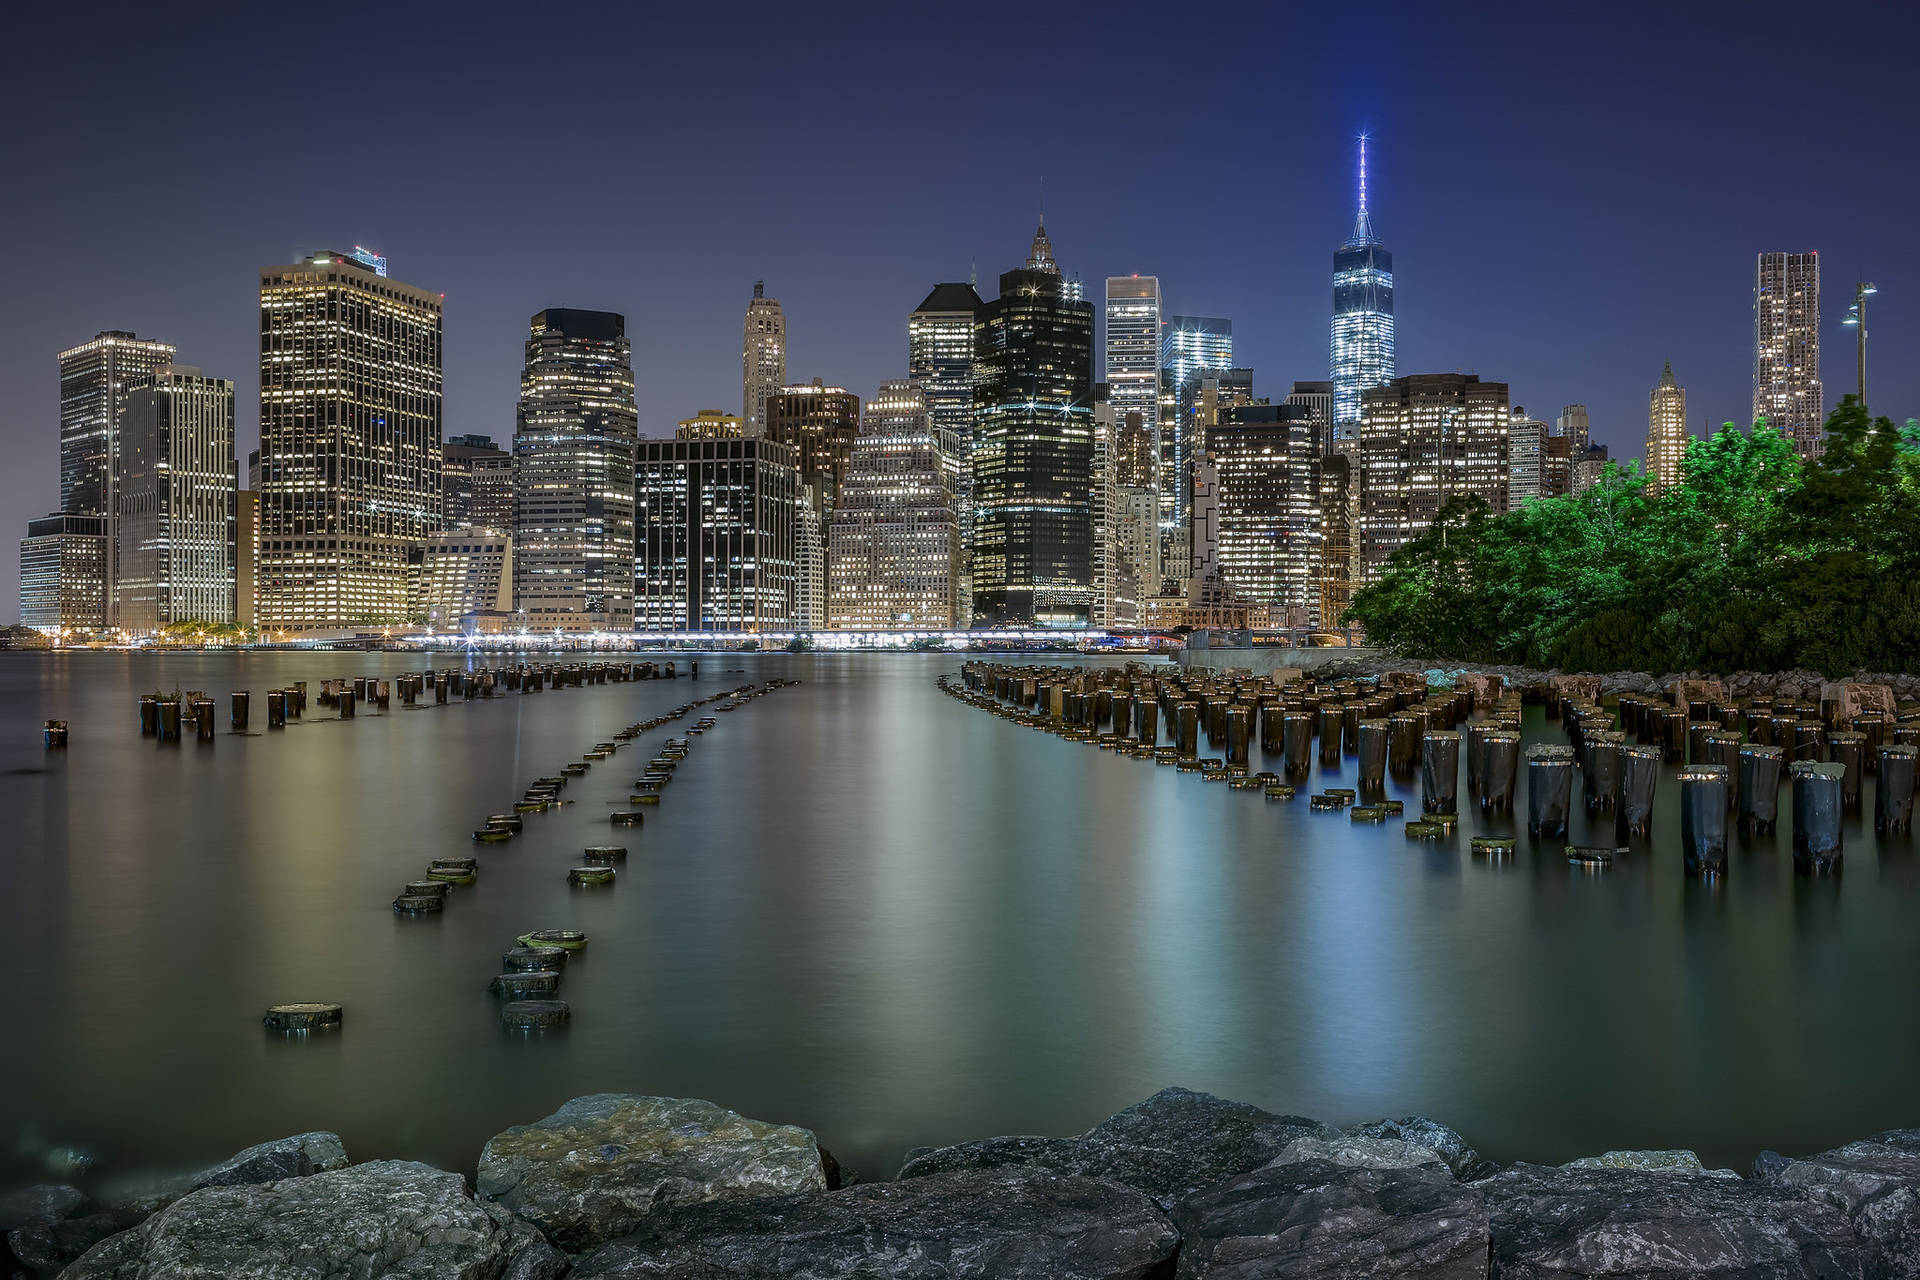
x=1734 y=755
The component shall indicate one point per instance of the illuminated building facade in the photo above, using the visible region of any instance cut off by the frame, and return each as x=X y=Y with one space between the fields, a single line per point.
x=710 y=424
x=940 y=359
x=1424 y=439
x=1526 y=445
x=1786 y=349
x=246 y=554
x=573 y=450
x=1339 y=530
x=1362 y=353
x=63 y=573
x=94 y=380
x=464 y=572
x=1266 y=461
x=349 y=442
x=763 y=358
x=895 y=539
x=810 y=567
x=1126 y=515
x=714 y=535
x=178 y=500
x=1666 y=432
x=1033 y=451
x=476 y=483
x=1133 y=369
x=821 y=424
x=1189 y=347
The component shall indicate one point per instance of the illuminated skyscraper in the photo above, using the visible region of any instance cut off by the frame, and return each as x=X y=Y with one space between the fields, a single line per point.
x=821 y=423
x=1362 y=350
x=1424 y=439
x=1526 y=447
x=63 y=573
x=1786 y=349
x=710 y=424
x=714 y=532
x=1666 y=432
x=1133 y=364
x=895 y=545
x=177 y=503
x=349 y=442
x=1126 y=519
x=1267 y=458
x=763 y=358
x=94 y=379
x=1190 y=347
x=940 y=359
x=573 y=449
x=1033 y=450
x=476 y=478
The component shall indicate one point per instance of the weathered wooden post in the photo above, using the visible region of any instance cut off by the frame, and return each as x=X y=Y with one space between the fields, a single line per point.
x=1549 y=788
x=1499 y=768
x=1893 y=791
x=169 y=730
x=242 y=700
x=1703 y=819
x=149 y=715
x=1639 y=776
x=1849 y=750
x=1809 y=740
x=1604 y=747
x=1373 y=754
x=1403 y=755
x=1237 y=718
x=1817 y=833
x=203 y=711
x=1272 y=741
x=1329 y=724
x=1439 y=771
x=1759 y=787
x=54 y=734
x=276 y=708
x=1296 y=730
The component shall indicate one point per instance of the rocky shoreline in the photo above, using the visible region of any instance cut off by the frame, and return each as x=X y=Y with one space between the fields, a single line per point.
x=1178 y=1187
x=1533 y=682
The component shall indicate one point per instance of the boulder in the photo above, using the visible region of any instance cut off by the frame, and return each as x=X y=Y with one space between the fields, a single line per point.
x=391 y=1218
x=594 y=1169
x=1875 y=1182
x=1003 y=1224
x=1431 y=1134
x=1361 y=1153
x=45 y=1249
x=296 y=1157
x=1174 y=1143
x=1676 y=1161
x=1317 y=1218
x=1683 y=691
x=41 y=1206
x=535 y=1259
x=1550 y=1223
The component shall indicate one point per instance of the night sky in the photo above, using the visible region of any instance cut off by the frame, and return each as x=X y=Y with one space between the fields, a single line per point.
x=1572 y=195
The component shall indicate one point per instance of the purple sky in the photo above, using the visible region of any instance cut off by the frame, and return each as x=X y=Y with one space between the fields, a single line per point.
x=1570 y=199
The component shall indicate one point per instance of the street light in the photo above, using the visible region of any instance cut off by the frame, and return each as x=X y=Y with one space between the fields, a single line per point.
x=1857 y=321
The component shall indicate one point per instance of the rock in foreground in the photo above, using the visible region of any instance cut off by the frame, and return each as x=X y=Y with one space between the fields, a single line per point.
x=1431 y=1134
x=1317 y=1218
x=594 y=1169
x=300 y=1156
x=1875 y=1182
x=1173 y=1144
x=391 y=1218
x=994 y=1224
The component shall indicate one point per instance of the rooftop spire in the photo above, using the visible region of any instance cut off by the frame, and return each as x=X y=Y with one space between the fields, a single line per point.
x=1666 y=377
x=1362 y=224
x=1040 y=257
x=759 y=288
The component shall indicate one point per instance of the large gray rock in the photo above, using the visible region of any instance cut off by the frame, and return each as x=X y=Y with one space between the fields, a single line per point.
x=1875 y=1182
x=300 y=1156
x=535 y=1259
x=1676 y=1160
x=595 y=1169
x=1174 y=1143
x=1361 y=1153
x=1431 y=1134
x=392 y=1218
x=45 y=1249
x=1316 y=1218
x=39 y=1206
x=995 y=1224
x=1553 y=1223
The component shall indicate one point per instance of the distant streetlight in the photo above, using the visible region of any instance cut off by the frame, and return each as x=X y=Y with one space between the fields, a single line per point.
x=1857 y=321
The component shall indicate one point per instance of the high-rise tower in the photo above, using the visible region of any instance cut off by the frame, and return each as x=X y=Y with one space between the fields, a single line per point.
x=763 y=358
x=1666 y=432
x=1362 y=350
x=177 y=503
x=1133 y=375
x=573 y=451
x=1786 y=348
x=94 y=379
x=349 y=442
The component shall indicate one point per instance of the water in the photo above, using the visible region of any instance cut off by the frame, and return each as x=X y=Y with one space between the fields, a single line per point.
x=870 y=909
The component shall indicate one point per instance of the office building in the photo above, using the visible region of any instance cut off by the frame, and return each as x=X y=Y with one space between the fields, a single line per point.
x=1424 y=440
x=177 y=494
x=1317 y=399
x=1666 y=432
x=1266 y=462
x=246 y=555
x=895 y=538
x=349 y=442
x=476 y=481
x=1588 y=467
x=1126 y=513
x=1526 y=445
x=1339 y=530
x=94 y=380
x=715 y=526
x=940 y=359
x=573 y=451
x=1574 y=424
x=710 y=424
x=1033 y=451
x=63 y=574
x=820 y=423
x=1787 y=391
x=1189 y=347
x=1133 y=359
x=763 y=358
x=1363 y=341
x=464 y=573
x=811 y=610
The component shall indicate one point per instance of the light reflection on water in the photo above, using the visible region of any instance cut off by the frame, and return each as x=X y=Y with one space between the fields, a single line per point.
x=868 y=908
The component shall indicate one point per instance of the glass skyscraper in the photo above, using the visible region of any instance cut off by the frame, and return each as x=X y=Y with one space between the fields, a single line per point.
x=1362 y=349
x=1190 y=347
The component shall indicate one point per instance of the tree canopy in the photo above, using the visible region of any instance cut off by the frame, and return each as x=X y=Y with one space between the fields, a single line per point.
x=1754 y=560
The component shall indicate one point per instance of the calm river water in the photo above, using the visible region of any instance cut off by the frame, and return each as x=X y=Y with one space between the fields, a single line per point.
x=873 y=910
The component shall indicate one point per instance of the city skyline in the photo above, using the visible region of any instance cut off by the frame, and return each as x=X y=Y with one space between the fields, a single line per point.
x=1556 y=279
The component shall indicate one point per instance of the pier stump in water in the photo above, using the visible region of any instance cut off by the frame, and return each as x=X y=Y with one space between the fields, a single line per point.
x=1703 y=819
x=1893 y=791
x=1639 y=776
x=1759 y=787
x=1549 y=789
x=1817 y=833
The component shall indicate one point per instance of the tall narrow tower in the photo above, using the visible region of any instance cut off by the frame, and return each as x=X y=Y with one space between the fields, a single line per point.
x=1786 y=348
x=1666 y=432
x=1362 y=348
x=763 y=358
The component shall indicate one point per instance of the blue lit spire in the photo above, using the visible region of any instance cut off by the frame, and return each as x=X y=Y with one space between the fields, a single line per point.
x=1362 y=348
x=1362 y=224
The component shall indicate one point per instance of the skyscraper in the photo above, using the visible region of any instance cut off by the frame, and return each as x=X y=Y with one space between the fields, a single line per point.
x=940 y=359
x=349 y=442
x=177 y=492
x=1267 y=461
x=1424 y=439
x=714 y=535
x=1033 y=450
x=476 y=478
x=573 y=451
x=1666 y=432
x=821 y=423
x=1190 y=346
x=94 y=379
x=1362 y=351
x=1526 y=448
x=895 y=544
x=763 y=358
x=1786 y=349
x=1126 y=519
x=710 y=424
x=63 y=573
x=1133 y=363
